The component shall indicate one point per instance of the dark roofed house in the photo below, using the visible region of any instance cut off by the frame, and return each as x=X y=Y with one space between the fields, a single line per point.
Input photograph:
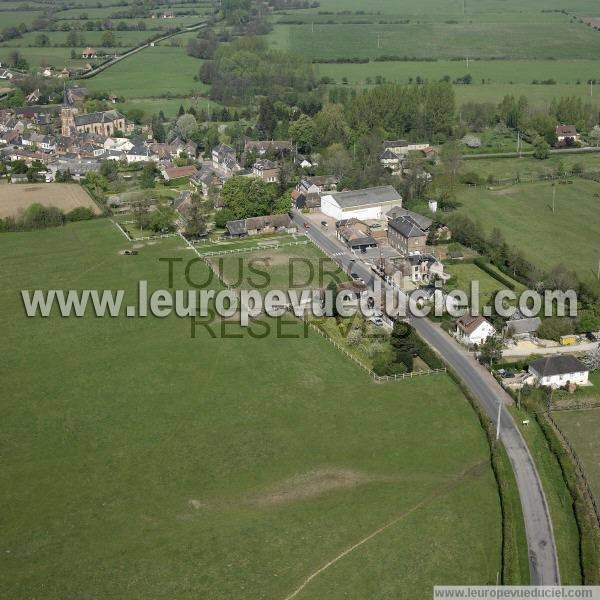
x=420 y=220
x=261 y=148
x=406 y=236
x=559 y=370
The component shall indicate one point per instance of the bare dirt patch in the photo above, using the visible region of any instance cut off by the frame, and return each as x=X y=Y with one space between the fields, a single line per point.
x=316 y=483
x=15 y=198
x=504 y=191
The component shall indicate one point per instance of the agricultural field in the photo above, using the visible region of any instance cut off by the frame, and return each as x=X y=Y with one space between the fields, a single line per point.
x=529 y=167
x=15 y=198
x=138 y=460
x=489 y=40
x=524 y=215
x=154 y=72
x=503 y=45
x=581 y=428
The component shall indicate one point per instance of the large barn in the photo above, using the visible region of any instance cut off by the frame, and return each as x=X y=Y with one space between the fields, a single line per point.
x=370 y=203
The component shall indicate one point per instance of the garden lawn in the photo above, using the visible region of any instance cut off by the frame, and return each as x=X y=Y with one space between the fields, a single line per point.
x=139 y=462
x=465 y=273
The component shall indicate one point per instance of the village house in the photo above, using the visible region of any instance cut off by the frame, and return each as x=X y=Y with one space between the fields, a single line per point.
x=89 y=53
x=306 y=202
x=566 y=133
x=170 y=173
x=207 y=178
x=225 y=161
x=390 y=160
x=559 y=370
x=273 y=146
x=41 y=142
x=473 y=331
x=421 y=268
x=266 y=170
x=369 y=203
x=318 y=184
x=406 y=236
x=397 y=212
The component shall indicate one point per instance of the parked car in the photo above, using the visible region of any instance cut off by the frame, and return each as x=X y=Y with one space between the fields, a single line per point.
x=325 y=224
x=377 y=321
x=354 y=277
x=306 y=225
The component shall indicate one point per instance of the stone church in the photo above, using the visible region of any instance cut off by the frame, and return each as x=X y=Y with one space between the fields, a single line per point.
x=101 y=123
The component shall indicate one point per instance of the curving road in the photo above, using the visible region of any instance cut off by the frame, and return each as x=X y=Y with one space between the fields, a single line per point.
x=543 y=557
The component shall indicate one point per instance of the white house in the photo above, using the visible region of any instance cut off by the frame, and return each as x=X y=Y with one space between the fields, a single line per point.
x=559 y=370
x=473 y=331
x=370 y=203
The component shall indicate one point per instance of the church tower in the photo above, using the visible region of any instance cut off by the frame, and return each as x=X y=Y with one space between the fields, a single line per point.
x=67 y=115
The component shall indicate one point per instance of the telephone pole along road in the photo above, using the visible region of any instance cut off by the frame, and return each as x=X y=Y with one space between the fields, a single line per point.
x=543 y=558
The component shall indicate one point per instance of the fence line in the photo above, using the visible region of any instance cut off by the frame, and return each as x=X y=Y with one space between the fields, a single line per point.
x=595 y=176
x=377 y=378
x=579 y=466
x=253 y=249
x=122 y=230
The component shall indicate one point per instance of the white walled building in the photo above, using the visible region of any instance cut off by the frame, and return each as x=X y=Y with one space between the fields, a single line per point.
x=370 y=203
x=559 y=370
x=473 y=331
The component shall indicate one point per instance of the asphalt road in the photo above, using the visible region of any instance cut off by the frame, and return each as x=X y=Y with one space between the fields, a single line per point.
x=543 y=558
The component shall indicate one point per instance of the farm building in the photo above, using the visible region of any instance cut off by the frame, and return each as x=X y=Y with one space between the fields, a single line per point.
x=257 y=225
x=370 y=203
x=559 y=370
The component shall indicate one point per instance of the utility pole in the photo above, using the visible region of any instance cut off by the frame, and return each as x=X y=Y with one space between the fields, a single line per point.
x=591 y=87
x=498 y=421
x=467 y=62
x=553 y=198
x=379 y=40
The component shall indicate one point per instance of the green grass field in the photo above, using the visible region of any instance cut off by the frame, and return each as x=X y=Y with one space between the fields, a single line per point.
x=515 y=40
x=151 y=73
x=465 y=273
x=581 y=427
x=524 y=215
x=526 y=166
x=139 y=462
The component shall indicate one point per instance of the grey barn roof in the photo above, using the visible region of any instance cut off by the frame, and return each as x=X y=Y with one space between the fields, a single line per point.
x=366 y=197
x=559 y=364
x=522 y=326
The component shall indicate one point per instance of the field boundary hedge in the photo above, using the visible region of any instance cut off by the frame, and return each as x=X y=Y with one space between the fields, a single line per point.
x=485 y=266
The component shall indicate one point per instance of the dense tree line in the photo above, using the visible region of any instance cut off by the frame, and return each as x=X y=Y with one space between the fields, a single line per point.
x=247 y=68
x=37 y=216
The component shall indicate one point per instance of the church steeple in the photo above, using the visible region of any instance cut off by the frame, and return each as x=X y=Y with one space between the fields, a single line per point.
x=67 y=115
